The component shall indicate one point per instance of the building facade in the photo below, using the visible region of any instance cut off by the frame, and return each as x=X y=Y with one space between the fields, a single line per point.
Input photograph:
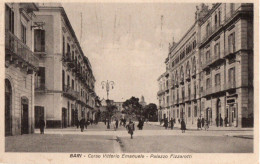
x=65 y=84
x=20 y=67
x=209 y=72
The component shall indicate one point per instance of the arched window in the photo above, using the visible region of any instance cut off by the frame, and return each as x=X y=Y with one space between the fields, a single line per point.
x=8 y=108
x=181 y=74
x=188 y=69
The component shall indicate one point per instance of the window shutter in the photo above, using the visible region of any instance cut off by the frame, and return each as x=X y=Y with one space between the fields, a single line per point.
x=42 y=40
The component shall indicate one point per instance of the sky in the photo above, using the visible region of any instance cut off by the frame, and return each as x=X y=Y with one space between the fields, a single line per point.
x=128 y=43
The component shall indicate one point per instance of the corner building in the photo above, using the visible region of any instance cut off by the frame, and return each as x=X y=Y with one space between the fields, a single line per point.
x=64 y=86
x=20 y=67
x=209 y=72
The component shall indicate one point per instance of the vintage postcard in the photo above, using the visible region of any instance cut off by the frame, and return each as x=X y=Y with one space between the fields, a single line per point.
x=129 y=82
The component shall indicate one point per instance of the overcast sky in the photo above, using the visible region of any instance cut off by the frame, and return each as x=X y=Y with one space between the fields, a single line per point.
x=128 y=43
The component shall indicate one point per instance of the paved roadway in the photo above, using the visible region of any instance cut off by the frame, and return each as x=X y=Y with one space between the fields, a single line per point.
x=152 y=139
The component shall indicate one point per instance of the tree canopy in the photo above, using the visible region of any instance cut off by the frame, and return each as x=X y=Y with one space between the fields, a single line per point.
x=133 y=107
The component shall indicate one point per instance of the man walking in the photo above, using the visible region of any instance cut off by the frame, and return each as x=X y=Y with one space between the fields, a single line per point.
x=198 y=124
x=130 y=127
x=172 y=123
x=166 y=123
x=202 y=122
x=82 y=124
x=116 y=123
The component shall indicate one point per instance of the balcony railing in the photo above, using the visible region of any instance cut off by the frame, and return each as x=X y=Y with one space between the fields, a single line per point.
x=68 y=59
x=15 y=46
x=68 y=91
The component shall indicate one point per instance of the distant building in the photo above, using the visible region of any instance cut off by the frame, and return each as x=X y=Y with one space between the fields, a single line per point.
x=142 y=101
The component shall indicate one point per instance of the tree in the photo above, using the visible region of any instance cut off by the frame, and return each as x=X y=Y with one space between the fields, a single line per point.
x=110 y=109
x=133 y=107
x=150 y=112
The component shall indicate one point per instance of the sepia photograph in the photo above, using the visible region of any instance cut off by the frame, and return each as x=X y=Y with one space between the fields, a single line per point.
x=120 y=80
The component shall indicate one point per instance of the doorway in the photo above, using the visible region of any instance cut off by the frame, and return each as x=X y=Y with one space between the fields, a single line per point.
x=64 y=118
x=218 y=113
x=25 y=116
x=8 y=108
x=233 y=115
x=38 y=115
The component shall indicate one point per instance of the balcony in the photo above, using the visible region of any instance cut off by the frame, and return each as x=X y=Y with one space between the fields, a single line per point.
x=231 y=85
x=15 y=49
x=208 y=91
x=243 y=10
x=40 y=88
x=182 y=81
x=160 y=92
x=188 y=78
x=69 y=92
x=193 y=75
x=68 y=59
x=187 y=98
x=193 y=96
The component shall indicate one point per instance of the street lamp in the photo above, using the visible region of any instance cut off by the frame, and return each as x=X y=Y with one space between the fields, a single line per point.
x=107 y=84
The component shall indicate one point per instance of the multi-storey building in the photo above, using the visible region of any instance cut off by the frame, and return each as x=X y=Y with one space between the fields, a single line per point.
x=227 y=64
x=209 y=71
x=20 y=68
x=64 y=87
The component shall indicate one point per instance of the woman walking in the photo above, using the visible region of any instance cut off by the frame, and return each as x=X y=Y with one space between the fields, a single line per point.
x=131 y=128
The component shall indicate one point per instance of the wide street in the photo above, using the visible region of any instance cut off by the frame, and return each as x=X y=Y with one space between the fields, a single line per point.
x=98 y=139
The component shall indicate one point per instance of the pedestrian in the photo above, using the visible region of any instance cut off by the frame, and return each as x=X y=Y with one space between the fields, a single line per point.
x=179 y=121
x=221 y=121
x=77 y=123
x=108 y=124
x=198 y=124
x=217 y=121
x=87 y=123
x=166 y=123
x=183 y=126
x=206 y=125
x=131 y=128
x=202 y=122
x=105 y=121
x=41 y=125
x=116 y=123
x=82 y=124
x=172 y=123
x=226 y=121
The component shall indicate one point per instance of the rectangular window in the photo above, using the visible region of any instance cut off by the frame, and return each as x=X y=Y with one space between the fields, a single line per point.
x=68 y=81
x=217 y=79
x=23 y=33
x=39 y=40
x=72 y=83
x=208 y=83
x=177 y=113
x=189 y=112
x=63 y=46
x=231 y=75
x=231 y=43
x=9 y=19
x=195 y=111
x=41 y=78
x=217 y=50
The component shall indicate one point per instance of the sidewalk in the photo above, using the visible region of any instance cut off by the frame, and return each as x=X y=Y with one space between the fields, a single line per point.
x=211 y=128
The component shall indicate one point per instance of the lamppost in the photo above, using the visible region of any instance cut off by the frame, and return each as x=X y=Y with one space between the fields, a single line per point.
x=107 y=84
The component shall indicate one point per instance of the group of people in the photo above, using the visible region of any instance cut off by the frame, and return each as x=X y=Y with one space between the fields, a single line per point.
x=202 y=123
x=171 y=123
x=140 y=124
x=83 y=123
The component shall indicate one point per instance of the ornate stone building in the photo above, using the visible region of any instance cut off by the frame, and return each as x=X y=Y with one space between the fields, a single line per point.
x=65 y=84
x=20 y=67
x=209 y=72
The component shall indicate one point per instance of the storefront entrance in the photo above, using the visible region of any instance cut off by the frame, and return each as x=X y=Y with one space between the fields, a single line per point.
x=38 y=115
x=233 y=121
x=25 y=116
